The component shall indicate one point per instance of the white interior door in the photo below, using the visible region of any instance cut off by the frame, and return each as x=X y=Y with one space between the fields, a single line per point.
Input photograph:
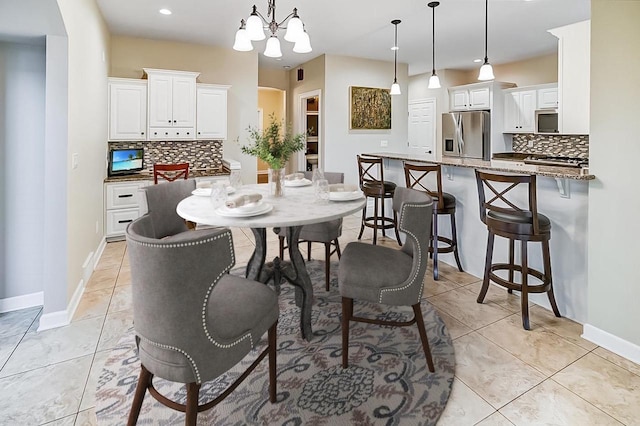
x=422 y=127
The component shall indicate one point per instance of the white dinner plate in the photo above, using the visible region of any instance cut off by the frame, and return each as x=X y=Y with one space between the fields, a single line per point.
x=206 y=192
x=245 y=211
x=345 y=196
x=297 y=182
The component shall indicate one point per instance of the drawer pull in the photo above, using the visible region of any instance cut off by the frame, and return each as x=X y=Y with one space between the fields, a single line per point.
x=125 y=196
x=125 y=221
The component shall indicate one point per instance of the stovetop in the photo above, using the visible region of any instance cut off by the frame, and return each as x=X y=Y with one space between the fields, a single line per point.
x=552 y=160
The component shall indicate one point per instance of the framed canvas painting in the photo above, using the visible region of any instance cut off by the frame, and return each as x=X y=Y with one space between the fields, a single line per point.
x=370 y=108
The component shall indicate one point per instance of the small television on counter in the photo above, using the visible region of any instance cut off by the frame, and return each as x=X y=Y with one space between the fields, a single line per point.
x=126 y=161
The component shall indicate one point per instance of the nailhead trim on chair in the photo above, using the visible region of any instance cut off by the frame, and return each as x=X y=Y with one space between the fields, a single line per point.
x=173 y=348
x=412 y=279
x=206 y=300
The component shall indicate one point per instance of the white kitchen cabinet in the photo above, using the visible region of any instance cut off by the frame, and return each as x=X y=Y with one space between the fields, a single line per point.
x=574 y=58
x=548 y=97
x=124 y=202
x=171 y=104
x=127 y=109
x=519 y=111
x=471 y=98
x=211 y=111
x=459 y=99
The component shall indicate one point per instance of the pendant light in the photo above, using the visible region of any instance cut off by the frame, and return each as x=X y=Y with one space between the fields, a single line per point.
x=395 y=87
x=486 y=70
x=434 y=81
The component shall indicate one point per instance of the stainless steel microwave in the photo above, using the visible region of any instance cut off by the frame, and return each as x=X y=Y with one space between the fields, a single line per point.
x=547 y=121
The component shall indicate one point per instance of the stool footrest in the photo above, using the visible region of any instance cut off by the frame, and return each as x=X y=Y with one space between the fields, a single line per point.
x=535 y=288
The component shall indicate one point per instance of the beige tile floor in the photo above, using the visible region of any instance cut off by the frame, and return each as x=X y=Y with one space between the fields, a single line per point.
x=504 y=375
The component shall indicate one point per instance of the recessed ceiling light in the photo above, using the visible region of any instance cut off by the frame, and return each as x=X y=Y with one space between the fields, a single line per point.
x=286 y=67
x=477 y=60
x=165 y=11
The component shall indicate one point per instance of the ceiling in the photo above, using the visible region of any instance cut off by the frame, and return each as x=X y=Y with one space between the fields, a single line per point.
x=362 y=28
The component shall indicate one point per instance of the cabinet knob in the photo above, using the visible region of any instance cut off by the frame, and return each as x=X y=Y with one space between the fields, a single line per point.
x=166 y=133
x=142 y=133
x=177 y=133
x=188 y=133
x=155 y=133
x=174 y=121
x=199 y=133
x=169 y=121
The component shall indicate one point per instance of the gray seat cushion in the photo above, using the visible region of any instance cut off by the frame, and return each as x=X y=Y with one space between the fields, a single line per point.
x=322 y=232
x=359 y=280
x=238 y=305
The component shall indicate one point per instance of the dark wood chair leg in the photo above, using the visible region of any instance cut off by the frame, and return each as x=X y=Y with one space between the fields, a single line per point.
x=511 y=262
x=337 y=243
x=487 y=268
x=364 y=215
x=375 y=220
x=281 y=241
x=454 y=238
x=382 y=216
x=524 y=293
x=395 y=226
x=143 y=383
x=309 y=250
x=193 y=390
x=417 y=311
x=546 y=257
x=347 y=313
x=271 y=334
x=327 y=264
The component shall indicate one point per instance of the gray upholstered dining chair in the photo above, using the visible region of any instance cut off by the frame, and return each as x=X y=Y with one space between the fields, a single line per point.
x=384 y=275
x=325 y=232
x=193 y=321
x=162 y=200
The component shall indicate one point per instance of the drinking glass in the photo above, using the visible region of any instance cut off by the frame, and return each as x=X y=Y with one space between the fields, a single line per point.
x=218 y=194
x=235 y=179
x=317 y=175
x=322 y=190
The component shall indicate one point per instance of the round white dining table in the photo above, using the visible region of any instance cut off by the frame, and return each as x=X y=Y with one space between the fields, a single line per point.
x=299 y=206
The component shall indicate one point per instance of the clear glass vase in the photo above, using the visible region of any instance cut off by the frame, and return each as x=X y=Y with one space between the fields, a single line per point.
x=276 y=182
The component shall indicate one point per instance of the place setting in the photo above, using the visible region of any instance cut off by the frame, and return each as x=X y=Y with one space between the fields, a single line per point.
x=344 y=192
x=295 y=180
x=244 y=205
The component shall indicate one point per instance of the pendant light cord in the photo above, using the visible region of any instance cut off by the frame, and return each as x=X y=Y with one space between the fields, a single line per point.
x=433 y=42
x=395 y=56
x=486 y=30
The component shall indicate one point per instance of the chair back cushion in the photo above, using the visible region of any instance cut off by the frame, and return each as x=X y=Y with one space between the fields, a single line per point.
x=162 y=200
x=331 y=177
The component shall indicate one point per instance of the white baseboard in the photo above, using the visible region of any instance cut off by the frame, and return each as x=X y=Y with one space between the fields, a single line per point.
x=613 y=343
x=62 y=318
x=22 y=302
x=53 y=320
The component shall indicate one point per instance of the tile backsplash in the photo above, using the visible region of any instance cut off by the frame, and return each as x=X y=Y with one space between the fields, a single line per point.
x=565 y=145
x=200 y=154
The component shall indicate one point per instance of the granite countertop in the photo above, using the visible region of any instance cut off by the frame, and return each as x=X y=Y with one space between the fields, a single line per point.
x=149 y=176
x=504 y=166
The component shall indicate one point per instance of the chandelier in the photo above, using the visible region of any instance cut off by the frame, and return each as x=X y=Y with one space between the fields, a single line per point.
x=253 y=29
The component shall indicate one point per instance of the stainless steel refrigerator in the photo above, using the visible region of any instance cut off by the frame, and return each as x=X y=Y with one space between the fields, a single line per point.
x=467 y=134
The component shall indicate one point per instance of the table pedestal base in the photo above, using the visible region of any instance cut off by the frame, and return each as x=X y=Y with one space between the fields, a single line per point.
x=294 y=271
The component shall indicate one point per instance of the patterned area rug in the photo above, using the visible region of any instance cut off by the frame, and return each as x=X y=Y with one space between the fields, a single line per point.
x=387 y=381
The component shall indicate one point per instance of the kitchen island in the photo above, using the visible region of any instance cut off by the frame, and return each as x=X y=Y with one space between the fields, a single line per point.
x=562 y=196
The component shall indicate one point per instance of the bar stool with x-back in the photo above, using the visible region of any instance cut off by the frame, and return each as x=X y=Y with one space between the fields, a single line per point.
x=444 y=204
x=505 y=217
x=373 y=185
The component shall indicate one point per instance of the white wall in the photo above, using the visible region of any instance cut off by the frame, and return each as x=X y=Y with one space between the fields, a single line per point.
x=342 y=145
x=614 y=205
x=22 y=111
x=88 y=59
